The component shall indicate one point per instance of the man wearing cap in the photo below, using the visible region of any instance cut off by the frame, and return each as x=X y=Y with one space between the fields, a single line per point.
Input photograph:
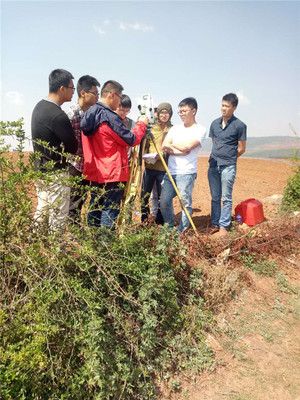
x=182 y=144
x=154 y=170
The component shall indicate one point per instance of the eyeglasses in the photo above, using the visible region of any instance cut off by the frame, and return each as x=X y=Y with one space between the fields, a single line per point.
x=70 y=87
x=164 y=113
x=120 y=97
x=96 y=93
x=184 y=111
x=123 y=110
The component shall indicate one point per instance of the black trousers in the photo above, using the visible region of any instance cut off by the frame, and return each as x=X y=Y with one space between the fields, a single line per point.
x=78 y=196
x=150 y=177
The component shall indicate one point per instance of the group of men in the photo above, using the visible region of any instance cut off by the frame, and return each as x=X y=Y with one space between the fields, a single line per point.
x=98 y=135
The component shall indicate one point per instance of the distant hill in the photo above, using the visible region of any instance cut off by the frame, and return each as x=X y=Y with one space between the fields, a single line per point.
x=266 y=147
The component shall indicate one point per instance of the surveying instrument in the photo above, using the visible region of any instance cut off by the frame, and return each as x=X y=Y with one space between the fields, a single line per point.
x=133 y=185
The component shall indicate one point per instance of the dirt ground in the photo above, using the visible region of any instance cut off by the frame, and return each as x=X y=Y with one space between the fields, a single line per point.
x=257 y=349
x=256 y=178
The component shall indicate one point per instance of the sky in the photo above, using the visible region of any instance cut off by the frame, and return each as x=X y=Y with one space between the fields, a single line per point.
x=171 y=49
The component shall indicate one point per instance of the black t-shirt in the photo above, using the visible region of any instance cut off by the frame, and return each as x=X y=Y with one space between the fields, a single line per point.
x=51 y=124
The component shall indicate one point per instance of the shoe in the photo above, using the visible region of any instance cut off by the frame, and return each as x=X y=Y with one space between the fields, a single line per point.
x=214 y=230
x=223 y=233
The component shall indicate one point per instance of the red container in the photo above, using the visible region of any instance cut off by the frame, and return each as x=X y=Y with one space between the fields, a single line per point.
x=251 y=211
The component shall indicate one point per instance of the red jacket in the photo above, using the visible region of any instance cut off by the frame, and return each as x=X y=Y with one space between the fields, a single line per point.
x=104 y=149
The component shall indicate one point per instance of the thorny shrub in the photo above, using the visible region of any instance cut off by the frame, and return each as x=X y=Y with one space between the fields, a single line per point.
x=291 y=194
x=87 y=316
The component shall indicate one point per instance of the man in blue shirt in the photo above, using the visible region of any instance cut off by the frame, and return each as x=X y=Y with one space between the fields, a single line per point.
x=229 y=136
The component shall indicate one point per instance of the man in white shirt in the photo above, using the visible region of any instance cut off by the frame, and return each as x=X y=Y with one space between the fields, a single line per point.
x=182 y=144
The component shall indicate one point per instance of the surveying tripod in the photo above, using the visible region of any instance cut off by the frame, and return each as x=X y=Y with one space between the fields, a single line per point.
x=135 y=177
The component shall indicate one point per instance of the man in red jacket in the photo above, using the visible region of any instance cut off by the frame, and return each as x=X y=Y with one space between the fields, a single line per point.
x=105 y=139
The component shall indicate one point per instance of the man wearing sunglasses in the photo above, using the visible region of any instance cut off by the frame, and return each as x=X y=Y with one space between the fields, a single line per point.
x=105 y=139
x=50 y=124
x=88 y=95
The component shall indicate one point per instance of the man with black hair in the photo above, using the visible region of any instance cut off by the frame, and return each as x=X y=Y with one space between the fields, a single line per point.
x=87 y=90
x=229 y=136
x=50 y=124
x=105 y=139
x=182 y=144
x=123 y=110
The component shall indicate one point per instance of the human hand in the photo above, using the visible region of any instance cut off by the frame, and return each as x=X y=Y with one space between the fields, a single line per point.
x=144 y=119
x=168 y=149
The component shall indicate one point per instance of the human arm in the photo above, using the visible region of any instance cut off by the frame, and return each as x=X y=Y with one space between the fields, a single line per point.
x=241 y=147
x=168 y=147
x=63 y=130
x=123 y=136
x=187 y=146
x=242 y=137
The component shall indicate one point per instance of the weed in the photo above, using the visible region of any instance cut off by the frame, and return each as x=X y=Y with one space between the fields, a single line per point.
x=279 y=306
x=283 y=284
x=259 y=265
x=175 y=385
x=291 y=194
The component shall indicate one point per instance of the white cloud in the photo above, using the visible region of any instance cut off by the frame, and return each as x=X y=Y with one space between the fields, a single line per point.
x=99 y=30
x=122 y=26
x=15 y=98
x=243 y=99
x=136 y=27
x=102 y=28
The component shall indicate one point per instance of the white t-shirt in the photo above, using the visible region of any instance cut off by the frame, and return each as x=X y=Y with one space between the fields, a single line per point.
x=185 y=164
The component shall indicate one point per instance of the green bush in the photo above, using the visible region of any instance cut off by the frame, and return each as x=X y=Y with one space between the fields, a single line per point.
x=291 y=195
x=86 y=315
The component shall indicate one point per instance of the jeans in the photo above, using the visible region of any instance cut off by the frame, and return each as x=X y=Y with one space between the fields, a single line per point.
x=150 y=177
x=221 y=180
x=105 y=204
x=154 y=201
x=185 y=185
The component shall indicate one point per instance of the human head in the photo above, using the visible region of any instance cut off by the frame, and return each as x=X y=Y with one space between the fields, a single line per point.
x=164 y=112
x=189 y=101
x=111 y=94
x=232 y=98
x=187 y=110
x=59 y=78
x=87 y=91
x=124 y=107
x=85 y=83
x=229 y=105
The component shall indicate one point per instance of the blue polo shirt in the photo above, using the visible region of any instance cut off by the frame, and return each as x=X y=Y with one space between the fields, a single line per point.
x=225 y=147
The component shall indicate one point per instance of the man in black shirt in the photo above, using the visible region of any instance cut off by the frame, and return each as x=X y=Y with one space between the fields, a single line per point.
x=50 y=124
